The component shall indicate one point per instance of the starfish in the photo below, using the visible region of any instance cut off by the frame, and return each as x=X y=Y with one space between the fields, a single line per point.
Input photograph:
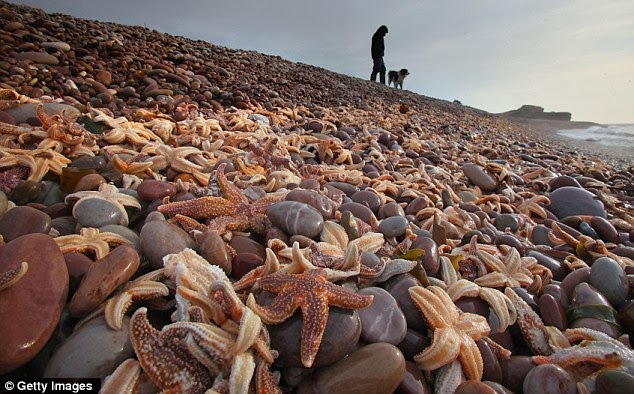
x=532 y=206
x=596 y=352
x=109 y=193
x=265 y=156
x=454 y=332
x=168 y=363
x=90 y=240
x=8 y=278
x=11 y=178
x=232 y=212
x=124 y=379
x=39 y=161
x=512 y=272
x=312 y=293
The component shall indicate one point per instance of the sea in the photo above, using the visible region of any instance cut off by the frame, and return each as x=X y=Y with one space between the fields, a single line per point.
x=614 y=135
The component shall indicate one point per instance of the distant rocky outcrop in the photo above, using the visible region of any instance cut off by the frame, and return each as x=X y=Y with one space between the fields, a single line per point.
x=536 y=112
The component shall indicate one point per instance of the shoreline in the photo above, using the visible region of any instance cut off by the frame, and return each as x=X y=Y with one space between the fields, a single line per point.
x=548 y=132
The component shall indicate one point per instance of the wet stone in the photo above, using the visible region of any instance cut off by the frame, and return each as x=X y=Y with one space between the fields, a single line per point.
x=382 y=320
x=398 y=287
x=570 y=201
x=506 y=220
x=96 y=212
x=552 y=313
x=321 y=203
x=549 y=379
x=151 y=189
x=474 y=387
x=23 y=220
x=607 y=276
x=614 y=381
x=340 y=338
x=242 y=263
x=391 y=209
x=358 y=211
x=93 y=351
x=211 y=247
x=479 y=177
x=30 y=308
x=373 y=369
x=123 y=231
x=159 y=238
x=573 y=279
x=514 y=370
x=102 y=278
x=296 y=218
x=558 y=269
x=393 y=226
x=367 y=198
x=24 y=112
x=413 y=381
x=431 y=261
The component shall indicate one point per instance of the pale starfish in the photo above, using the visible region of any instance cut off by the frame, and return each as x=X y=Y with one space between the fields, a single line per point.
x=512 y=272
x=312 y=293
x=124 y=379
x=595 y=353
x=90 y=240
x=454 y=332
x=110 y=193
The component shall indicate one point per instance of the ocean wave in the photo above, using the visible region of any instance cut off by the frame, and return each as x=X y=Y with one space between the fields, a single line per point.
x=613 y=135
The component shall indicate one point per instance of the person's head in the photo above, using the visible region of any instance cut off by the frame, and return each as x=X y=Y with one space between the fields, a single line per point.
x=382 y=30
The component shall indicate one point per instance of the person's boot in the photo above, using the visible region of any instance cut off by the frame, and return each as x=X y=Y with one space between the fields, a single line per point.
x=373 y=77
x=382 y=77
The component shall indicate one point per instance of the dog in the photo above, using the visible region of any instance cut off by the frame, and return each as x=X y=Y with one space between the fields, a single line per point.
x=397 y=77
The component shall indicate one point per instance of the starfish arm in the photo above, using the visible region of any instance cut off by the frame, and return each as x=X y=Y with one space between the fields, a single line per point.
x=444 y=349
x=513 y=261
x=124 y=380
x=199 y=208
x=229 y=189
x=471 y=359
x=429 y=305
x=493 y=279
x=315 y=318
x=282 y=307
x=7 y=279
x=342 y=297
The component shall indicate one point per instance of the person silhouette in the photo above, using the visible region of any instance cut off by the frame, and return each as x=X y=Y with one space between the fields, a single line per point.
x=378 y=49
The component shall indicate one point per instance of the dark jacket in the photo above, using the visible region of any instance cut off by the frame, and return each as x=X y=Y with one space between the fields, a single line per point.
x=378 y=45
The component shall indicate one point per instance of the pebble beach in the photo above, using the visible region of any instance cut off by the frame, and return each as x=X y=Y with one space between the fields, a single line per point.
x=183 y=217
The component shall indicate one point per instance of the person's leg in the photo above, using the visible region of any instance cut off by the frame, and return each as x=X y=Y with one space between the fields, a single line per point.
x=376 y=68
x=382 y=72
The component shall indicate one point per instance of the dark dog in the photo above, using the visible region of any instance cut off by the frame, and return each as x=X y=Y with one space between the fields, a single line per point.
x=397 y=77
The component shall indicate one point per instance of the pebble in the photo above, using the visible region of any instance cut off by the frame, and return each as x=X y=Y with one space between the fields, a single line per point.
x=31 y=308
x=398 y=287
x=102 y=278
x=24 y=220
x=607 y=276
x=92 y=351
x=123 y=231
x=321 y=203
x=614 y=381
x=605 y=229
x=359 y=211
x=296 y=218
x=549 y=379
x=506 y=220
x=340 y=338
x=391 y=209
x=587 y=297
x=552 y=312
x=431 y=261
x=376 y=368
x=514 y=371
x=368 y=198
x=382 y=320
x=242 y=263
x=479 y=177
x=24 y=112
x=151 y=189
x=59 y=45
x=413 y=381
x=393 y=226
x=97 y=212
x=211 y=247
x=159 y=238
x=38 y=57
x=570 y=201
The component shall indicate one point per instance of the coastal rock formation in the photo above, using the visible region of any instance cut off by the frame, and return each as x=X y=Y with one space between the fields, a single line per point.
x=536 y=112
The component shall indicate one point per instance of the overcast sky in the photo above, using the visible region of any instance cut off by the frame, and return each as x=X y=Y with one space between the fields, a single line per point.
x=572 y=55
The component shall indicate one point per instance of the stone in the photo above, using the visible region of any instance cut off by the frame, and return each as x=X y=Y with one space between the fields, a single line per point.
x=24 y=220
x=102 y=278
x=151 y=189
x=159 y=238
x=31 y=308
x=359 y=211
x=376 y=368
x=607 y=276
x=94 y=350
x=479 y=177
x=382 y=320
x=24 y=112
x=549 y=379
x=398 y=287
x=59 y=45
x=570 y=201
x=97 y=212
x=123 y=231
x=393 y=226
x=38 y=58
x=368 y=198
x=321 y=203
x=296 y=218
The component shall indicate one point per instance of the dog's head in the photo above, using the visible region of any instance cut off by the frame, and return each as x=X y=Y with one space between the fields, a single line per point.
x=403 y=72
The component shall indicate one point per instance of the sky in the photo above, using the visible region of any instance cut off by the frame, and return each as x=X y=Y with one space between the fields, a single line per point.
x=564 y=55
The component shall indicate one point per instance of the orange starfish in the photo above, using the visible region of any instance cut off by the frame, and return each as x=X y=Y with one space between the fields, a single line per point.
x=232 y=212
x=311 y=292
